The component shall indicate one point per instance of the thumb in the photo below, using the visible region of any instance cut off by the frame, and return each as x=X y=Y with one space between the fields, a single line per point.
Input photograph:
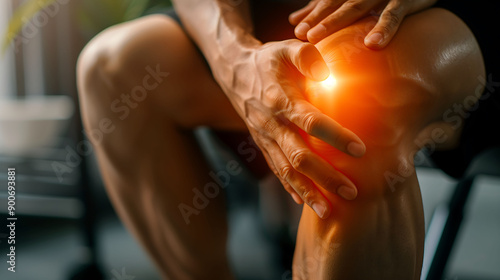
x=307 y=59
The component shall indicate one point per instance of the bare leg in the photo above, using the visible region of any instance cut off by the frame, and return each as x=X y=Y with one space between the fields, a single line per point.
x=393 y=99
x=151 y=163
x=149 y=160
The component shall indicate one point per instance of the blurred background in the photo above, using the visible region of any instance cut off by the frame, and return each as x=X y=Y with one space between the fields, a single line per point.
x=66 y=227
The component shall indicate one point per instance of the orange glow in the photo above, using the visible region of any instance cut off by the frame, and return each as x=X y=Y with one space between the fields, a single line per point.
x=329 y=83
x=323 y=94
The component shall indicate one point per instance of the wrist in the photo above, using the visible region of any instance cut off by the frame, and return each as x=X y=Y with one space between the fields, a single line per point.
x=231 y=66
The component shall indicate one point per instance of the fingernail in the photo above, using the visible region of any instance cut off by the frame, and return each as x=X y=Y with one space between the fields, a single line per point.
x=347 y=192
x=301 y=30
x=374 y=39
x=320 y=209
x=317 y=33
x=319 y=70
x=356 y=149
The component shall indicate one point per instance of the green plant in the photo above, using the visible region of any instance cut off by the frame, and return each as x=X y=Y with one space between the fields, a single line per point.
x=96 y=15
x=93 y=15
x=16 y=23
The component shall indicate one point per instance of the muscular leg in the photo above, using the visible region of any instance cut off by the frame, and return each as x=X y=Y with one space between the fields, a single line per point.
x=149 y=160
x=162 y=163
x=393 y=99
x=148 y=157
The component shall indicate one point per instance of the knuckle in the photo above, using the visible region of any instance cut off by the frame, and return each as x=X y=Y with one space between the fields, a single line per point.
x=269 y=126
x=302 y=48
x=307 y=196
x=329 y=183
x=325 y=4
x=298 y=159
x=386 y=29
x=358 y=6
x=310 y=122
x=393 y=19
x=313 y=3
x=285 y=172
x=279 y=101
x=304 y=52
x=282 y=119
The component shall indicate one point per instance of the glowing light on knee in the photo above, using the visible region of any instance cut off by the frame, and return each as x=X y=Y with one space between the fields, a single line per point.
x=329 y=83
x=323 y=94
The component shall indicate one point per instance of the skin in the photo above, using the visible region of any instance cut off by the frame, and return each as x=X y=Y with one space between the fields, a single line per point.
x=320 y=18
x=259 y=77
x=392 y=99
x=151 y=163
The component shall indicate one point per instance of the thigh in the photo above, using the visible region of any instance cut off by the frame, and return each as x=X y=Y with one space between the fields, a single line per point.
x=157 y=49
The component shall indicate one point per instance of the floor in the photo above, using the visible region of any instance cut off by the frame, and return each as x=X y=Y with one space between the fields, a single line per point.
x=48 y=249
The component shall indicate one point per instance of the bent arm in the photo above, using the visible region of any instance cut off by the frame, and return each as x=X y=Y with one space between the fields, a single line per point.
x=222 y=29
x=262 y=81
x=389 y=98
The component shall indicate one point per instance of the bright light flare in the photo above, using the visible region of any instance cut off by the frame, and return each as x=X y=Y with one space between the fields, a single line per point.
x=329 y=83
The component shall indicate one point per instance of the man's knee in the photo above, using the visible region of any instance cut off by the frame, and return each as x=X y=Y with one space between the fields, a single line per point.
x=123 y=55
x=132 y=63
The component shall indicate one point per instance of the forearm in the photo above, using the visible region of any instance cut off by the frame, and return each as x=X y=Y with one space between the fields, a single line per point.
x=222 y=30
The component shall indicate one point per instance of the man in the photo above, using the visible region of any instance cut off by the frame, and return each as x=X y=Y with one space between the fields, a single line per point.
x=150 y=80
